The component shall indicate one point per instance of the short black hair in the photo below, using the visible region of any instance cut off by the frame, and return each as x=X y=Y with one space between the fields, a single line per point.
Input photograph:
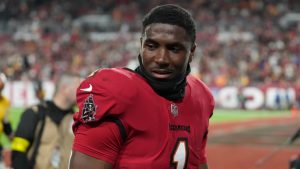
x=174 y=15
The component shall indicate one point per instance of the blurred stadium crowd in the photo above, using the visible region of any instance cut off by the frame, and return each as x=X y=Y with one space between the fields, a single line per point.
x=240 y=42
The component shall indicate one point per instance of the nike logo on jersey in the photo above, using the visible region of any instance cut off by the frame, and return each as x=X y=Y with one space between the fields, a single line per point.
x=89 y=89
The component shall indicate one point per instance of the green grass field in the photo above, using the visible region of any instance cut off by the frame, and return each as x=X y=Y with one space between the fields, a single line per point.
x=14 y=118
x=220 y=115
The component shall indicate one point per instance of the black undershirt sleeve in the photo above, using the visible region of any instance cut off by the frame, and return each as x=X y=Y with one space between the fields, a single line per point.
x=26 y=130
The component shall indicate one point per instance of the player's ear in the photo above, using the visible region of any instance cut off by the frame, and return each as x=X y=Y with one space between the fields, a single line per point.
x=192 y=52
x=141 y=40
x=141 y=44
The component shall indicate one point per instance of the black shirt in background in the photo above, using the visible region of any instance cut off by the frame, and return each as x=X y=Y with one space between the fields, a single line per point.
x=27 y=126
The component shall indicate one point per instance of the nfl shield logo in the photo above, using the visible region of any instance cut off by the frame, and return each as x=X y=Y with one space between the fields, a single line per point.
x=174 y=109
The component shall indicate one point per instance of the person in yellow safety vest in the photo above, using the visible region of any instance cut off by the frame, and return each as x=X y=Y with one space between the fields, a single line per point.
x=43 y=138
x=5 y=127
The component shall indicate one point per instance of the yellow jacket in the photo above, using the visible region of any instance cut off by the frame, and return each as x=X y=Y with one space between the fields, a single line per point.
x=4 y=106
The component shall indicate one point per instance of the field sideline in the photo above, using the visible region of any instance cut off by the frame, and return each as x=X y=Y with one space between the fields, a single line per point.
x=225 y=115
x=219 y=116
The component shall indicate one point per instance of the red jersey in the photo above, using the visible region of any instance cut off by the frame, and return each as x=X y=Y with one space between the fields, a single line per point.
x=159 y=133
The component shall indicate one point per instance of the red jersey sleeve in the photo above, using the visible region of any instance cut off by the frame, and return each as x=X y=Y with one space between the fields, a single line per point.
x=102 y=142
x=105 y=94
x=209 y=109
x=203 y=159
x=207 y=102
x=94 y=100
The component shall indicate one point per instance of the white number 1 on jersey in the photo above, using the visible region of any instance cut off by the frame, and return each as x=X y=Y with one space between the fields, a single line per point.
x=180 y=154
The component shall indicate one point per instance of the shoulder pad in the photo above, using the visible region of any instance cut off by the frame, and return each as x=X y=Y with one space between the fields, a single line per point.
x=121 y=83
x=201 y=89
x=107 y=92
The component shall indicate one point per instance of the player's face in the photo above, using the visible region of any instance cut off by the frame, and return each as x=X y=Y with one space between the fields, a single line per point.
x=166 y=50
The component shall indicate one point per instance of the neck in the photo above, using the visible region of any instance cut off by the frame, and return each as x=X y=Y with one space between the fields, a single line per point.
x=173 y=89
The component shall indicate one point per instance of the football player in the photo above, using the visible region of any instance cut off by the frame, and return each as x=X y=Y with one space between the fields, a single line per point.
x=155 y=117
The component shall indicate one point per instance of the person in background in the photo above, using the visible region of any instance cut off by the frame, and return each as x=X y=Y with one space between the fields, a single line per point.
x=43 y=138
x=155 y=117
x=5 y=126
